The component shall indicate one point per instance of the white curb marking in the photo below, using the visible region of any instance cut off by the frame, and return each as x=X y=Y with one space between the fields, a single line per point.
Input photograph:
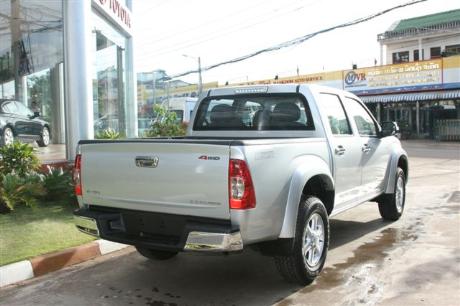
x=108 y=246
x=16 y=272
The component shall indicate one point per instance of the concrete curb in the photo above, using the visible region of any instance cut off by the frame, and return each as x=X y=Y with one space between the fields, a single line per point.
x=40 y=265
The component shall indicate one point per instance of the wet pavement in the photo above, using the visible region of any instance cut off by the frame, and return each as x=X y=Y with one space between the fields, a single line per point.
x=414 y=261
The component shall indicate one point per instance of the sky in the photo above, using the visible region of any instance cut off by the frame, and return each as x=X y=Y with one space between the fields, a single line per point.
x=217 y=30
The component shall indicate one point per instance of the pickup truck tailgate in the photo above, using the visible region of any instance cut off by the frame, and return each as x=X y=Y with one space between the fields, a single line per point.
x=188 y=178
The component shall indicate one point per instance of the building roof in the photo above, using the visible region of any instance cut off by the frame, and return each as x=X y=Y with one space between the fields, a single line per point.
x=443 y=22
x=428 y=20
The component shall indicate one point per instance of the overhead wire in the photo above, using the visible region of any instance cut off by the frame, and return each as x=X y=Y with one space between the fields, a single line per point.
x=207 y=23
x=300 y=39
x=279 y=11
x=190 y=43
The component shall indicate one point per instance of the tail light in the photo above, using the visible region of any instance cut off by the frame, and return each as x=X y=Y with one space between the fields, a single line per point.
x=241 y=189
x=77 y=176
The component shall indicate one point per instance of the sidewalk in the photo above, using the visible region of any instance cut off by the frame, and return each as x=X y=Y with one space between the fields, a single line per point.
x=40 y=265
x=430 y=143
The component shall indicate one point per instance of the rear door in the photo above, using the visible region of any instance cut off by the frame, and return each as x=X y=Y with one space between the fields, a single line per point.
x=30 y=127
x=346 y=150
x=167 y=177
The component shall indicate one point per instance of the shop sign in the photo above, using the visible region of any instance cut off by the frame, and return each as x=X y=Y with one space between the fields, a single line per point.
x=117 y=11
x=394 y=78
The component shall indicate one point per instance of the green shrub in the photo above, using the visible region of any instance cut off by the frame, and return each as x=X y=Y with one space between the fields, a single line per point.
x=18 y=158
x=108 y=134
x=165 y=124
x=17 y=190
x=58 y=184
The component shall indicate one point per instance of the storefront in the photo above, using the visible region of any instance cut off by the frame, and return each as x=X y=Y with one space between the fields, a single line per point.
x=72 y=62
x=421 y=96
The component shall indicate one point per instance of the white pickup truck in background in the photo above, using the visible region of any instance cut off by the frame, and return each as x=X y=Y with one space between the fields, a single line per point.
x=261 y=166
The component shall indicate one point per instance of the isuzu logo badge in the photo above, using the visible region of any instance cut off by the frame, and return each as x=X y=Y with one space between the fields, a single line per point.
x=147 y=161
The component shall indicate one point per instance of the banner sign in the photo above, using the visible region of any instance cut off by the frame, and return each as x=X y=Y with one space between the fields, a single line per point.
x=423 y=75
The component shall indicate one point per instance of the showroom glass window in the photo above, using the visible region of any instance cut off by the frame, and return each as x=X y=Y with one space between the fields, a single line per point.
x=31 y=55
x=109 y=77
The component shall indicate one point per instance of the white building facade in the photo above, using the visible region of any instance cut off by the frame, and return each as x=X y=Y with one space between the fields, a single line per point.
x=74 y=59
x=421 y=38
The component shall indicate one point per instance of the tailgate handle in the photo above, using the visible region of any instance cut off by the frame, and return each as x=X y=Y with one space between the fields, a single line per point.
x=147 y=161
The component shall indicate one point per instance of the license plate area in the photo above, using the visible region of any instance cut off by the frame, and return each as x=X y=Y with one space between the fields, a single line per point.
x=153 y=224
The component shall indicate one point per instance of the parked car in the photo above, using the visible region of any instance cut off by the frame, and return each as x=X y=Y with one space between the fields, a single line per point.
x=269 y=179
x=19 y=122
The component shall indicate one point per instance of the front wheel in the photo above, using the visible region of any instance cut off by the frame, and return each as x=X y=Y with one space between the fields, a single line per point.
x=155 y=254
x=44 y=138
x=311 y=242
x=391 y=206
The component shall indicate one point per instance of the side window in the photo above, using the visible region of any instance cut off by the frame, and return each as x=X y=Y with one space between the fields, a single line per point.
x=338 y=120
x=10 y=108
x=364 y=123
x=23 y=110
x=6 y=107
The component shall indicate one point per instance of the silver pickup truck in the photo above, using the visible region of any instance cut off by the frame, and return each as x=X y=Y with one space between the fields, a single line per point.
x=261 y=166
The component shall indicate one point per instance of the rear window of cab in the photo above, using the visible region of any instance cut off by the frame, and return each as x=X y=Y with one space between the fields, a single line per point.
x=254 y=112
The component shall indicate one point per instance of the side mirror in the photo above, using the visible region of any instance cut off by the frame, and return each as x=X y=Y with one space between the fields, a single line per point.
x=390 y=129
x=35 y=115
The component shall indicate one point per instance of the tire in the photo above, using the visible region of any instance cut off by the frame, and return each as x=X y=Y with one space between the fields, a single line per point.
x=155 y=254
x=391 y=206
x=44 y=137
x=7 y=136
x=297 y=267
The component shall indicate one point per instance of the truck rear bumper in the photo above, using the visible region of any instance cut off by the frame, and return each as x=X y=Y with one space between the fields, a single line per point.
x=159 y=231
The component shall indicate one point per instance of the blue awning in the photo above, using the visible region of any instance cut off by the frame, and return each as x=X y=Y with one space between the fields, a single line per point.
x=414 y=96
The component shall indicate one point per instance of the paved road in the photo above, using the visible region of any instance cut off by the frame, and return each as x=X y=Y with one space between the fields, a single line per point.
x=415 y=261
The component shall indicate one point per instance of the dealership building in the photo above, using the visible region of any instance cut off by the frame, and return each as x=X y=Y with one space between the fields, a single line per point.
x=73 y=61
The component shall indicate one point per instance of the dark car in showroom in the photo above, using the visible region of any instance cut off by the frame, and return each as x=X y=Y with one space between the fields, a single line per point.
x=19 y=122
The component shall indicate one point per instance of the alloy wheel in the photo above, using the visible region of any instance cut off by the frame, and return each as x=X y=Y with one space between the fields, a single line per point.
x=313 y=240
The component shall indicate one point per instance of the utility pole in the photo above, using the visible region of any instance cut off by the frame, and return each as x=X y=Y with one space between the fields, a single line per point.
x=200 y=81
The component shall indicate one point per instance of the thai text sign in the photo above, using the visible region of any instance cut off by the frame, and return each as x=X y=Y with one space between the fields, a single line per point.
x=394 y=78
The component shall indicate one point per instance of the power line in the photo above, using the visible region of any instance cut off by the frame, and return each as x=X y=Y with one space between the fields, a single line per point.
x=215 y=35
x=300 y=40
x=207 y=23
x=284 y=10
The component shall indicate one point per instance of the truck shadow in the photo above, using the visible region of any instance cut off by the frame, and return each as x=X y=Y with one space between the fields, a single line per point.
x=343 y=231
x=196 y=279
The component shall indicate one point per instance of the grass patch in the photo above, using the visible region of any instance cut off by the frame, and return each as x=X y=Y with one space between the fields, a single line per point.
x=29 y=232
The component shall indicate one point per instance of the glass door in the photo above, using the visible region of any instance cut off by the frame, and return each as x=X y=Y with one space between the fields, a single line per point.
x=108 y=79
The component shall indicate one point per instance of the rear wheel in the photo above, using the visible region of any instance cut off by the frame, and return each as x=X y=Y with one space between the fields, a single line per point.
x=8 y=136
x=155 y=254
x=44 y=138
x=391 y=206
x=311 y=241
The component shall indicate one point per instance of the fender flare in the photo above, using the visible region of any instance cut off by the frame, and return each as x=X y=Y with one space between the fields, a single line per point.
x=390 y=175
x=308 y=167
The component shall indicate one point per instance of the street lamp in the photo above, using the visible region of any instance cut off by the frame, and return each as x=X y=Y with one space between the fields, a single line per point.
x=166 y=80
x=154 y=83
x=200 y=81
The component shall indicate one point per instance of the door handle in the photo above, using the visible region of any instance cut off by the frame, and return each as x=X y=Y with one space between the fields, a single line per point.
x=366 y=148
x=340 y=150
